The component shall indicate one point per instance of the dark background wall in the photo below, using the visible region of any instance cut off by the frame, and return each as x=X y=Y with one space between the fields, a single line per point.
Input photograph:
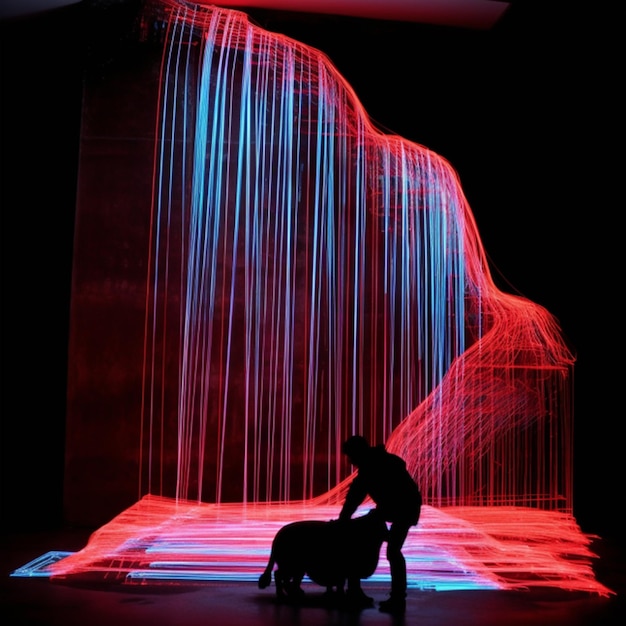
x=528 y=113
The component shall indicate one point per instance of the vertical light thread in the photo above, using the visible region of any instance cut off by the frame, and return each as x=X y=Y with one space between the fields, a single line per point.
x=332 y=281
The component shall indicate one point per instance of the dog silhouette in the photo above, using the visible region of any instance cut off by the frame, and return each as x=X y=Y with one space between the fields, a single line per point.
x=328 y=552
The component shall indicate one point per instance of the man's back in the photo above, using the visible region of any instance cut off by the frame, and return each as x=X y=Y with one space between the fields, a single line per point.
x=384 y=477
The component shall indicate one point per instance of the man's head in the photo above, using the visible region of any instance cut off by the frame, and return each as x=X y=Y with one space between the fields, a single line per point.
x=355 y=448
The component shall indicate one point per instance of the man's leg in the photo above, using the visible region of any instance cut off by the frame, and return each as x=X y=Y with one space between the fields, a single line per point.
x=397 y=568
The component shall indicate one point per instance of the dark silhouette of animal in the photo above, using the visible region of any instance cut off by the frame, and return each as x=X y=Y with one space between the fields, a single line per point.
x=329 y=553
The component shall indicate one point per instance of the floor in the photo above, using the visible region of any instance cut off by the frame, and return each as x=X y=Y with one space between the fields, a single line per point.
x=39 y=601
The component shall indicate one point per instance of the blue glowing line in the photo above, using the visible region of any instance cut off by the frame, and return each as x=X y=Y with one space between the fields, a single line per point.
x=37 y=567
x=239 y=570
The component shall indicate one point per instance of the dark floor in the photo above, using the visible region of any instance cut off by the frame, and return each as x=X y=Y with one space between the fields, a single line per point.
x=40 y=601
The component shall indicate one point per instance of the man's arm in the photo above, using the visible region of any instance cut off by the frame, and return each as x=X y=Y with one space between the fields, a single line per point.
x=356 y=495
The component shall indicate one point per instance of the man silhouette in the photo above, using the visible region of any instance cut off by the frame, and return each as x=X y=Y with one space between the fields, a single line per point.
x=384 y=478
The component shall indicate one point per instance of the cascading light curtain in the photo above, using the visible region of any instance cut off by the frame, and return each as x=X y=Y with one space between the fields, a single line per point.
x=310 y=278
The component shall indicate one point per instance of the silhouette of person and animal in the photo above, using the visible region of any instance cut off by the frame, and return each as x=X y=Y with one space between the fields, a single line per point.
x=345 y=551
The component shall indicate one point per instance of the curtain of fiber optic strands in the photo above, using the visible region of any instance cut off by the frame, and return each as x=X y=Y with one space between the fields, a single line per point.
x=311 y=278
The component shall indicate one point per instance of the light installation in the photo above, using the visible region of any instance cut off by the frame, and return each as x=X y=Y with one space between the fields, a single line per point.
x=311 y=277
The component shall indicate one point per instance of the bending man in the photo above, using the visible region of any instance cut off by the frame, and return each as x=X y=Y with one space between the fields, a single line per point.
x=384 y=478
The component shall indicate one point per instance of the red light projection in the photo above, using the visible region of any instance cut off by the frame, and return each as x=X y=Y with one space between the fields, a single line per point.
x=311 y=278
